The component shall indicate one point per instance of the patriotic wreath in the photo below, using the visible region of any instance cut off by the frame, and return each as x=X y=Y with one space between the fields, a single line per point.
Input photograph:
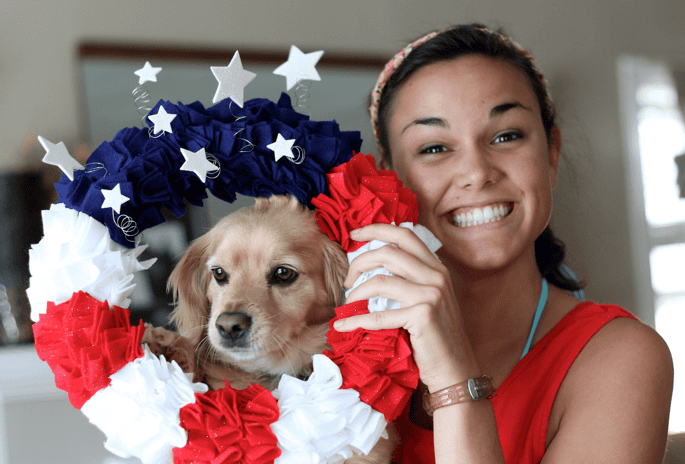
x=82 y=272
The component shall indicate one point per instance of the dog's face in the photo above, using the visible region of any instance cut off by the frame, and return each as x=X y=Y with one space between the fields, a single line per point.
x=267 y=281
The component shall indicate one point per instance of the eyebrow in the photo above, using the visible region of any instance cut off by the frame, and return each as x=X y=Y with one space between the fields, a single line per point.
x=429 y=121
x=504 y=107
x=440 y=122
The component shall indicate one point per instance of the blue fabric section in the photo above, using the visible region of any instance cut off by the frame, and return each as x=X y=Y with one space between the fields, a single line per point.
x=148 y=167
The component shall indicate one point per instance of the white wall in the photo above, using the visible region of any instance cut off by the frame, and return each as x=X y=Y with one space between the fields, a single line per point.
x=576 y=44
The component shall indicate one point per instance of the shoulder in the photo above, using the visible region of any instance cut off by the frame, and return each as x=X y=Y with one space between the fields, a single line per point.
x=618 y=388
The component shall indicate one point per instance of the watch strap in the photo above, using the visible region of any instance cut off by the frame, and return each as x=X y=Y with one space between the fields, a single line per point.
x=478 y=388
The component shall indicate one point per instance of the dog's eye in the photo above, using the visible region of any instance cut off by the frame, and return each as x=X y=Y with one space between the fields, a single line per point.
x=283 y=275
x=220 y=275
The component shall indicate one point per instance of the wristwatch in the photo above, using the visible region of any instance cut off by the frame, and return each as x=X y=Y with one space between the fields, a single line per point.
x=478 y=388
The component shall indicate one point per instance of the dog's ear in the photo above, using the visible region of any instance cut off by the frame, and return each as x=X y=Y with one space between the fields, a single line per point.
x=335 y=270
x=188 y=284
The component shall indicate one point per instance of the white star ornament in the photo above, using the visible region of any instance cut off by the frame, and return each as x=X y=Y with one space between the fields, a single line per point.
x=232 y=81
x=162 y=120
x=198 y=163
x=282 y=147
x=299 y=66
x=147 y=73
x=114 y=199
x=57 y=155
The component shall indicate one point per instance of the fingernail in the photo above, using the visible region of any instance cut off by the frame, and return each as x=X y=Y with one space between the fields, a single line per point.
x=337 y=325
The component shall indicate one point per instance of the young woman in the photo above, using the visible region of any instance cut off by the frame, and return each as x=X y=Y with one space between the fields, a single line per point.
x=464 y=118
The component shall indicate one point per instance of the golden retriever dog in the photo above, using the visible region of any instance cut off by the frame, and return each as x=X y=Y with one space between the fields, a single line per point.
x=254 y=297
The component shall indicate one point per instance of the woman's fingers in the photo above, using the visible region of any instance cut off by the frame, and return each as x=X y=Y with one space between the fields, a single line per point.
x=396 y=261
x=408 y=293
x=397 y=318
x=402 y=237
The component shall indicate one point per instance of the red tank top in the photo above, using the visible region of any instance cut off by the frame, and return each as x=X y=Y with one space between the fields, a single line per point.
x=524 y=400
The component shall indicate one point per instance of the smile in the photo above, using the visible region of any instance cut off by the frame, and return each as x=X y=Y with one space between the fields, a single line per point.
x=477 y=216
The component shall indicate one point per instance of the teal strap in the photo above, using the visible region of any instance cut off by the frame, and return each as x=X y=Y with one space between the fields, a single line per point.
x=538 y=312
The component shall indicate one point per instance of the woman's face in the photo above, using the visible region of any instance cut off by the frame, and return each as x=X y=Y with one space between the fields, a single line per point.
x=467 y=137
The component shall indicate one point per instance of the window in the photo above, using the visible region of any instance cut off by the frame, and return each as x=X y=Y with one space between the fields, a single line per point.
x=654 y=134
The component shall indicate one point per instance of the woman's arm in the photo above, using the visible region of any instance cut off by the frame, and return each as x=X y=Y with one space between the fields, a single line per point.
x=465 y=432
x=614 y=403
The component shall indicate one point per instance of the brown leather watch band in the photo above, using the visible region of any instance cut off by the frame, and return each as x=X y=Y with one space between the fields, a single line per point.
x=478 y=388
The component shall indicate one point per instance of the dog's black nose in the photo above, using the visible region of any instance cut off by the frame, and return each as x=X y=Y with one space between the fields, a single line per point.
x=233 y=328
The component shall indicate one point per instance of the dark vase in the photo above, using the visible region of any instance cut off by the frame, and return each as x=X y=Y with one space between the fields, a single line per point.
x=22 y=198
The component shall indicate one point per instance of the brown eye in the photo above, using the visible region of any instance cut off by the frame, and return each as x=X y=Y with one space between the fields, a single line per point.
x=283 y=275
x=220 y=275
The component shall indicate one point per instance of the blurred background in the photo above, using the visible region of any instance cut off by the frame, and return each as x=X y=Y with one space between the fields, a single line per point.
x=616 y=71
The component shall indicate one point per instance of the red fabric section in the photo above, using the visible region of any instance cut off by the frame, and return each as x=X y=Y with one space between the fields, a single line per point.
x=230 y=425
x=524 y=400
x=361 y=195
x=376 y=363
x=84 y=342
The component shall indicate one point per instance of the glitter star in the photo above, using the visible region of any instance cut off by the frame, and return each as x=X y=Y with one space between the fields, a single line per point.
x=147 y=73
x=299 y=66
x=232 y=81
x=282 y=147
x=57 y=155
x=198 y=163
x=162 y=120
x=114 y=199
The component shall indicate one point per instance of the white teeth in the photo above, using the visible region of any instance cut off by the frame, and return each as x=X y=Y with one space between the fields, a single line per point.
x=488 y=215
x=478 y=216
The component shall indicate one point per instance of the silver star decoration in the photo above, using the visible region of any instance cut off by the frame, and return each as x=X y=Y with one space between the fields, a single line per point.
x=300 y=66
x=57 y=155
x=147 y=73
x=232 y=81
x=198 y=163
x=162 y=120
x=282 y=147
x=114 y=199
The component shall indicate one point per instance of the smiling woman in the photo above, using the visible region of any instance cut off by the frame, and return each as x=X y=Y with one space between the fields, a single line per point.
x=464 y=118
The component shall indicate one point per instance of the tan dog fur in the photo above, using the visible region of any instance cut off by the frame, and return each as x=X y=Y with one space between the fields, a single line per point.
x=289 y=322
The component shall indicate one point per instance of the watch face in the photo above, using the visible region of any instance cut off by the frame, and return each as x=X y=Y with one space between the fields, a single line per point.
x=481 y=387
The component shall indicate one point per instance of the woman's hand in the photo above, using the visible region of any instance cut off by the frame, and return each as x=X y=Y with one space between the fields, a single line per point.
x=429 y=312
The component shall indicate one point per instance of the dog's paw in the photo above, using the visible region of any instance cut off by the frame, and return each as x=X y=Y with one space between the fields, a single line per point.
x=172 y=346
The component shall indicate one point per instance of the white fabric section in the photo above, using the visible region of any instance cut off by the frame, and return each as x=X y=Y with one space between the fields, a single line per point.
x=380 y=303
x=76 y=253
x=139 y=411
x=321 y=424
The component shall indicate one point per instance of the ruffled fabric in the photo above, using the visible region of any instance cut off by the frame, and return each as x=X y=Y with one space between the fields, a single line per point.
x=76 y=254
x=320 y=423
x=228 y=425
x=361 y=195
x=148 y=169
x=381 y=303
x=84 y=342
x=139 y=411
x=376 y=363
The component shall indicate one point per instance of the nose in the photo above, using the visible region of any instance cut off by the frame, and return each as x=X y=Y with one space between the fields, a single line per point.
x=233 y=328
x=475 y=169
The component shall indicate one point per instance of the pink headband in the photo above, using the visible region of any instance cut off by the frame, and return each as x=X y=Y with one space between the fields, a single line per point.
x=397 y=60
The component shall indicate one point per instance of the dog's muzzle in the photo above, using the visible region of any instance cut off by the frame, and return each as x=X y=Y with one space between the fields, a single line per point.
x=234 y=328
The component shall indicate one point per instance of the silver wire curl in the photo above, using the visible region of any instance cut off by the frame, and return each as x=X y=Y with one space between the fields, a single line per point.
x=141 y=98
x=95 y=166
x=299 y=158
x=215 y=173
x=302 y=94
x=127 y=225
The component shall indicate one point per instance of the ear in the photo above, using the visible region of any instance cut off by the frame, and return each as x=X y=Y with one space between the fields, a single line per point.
x=384 y=163
x=335 y=270
x=554 y=155
x=189 y=288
